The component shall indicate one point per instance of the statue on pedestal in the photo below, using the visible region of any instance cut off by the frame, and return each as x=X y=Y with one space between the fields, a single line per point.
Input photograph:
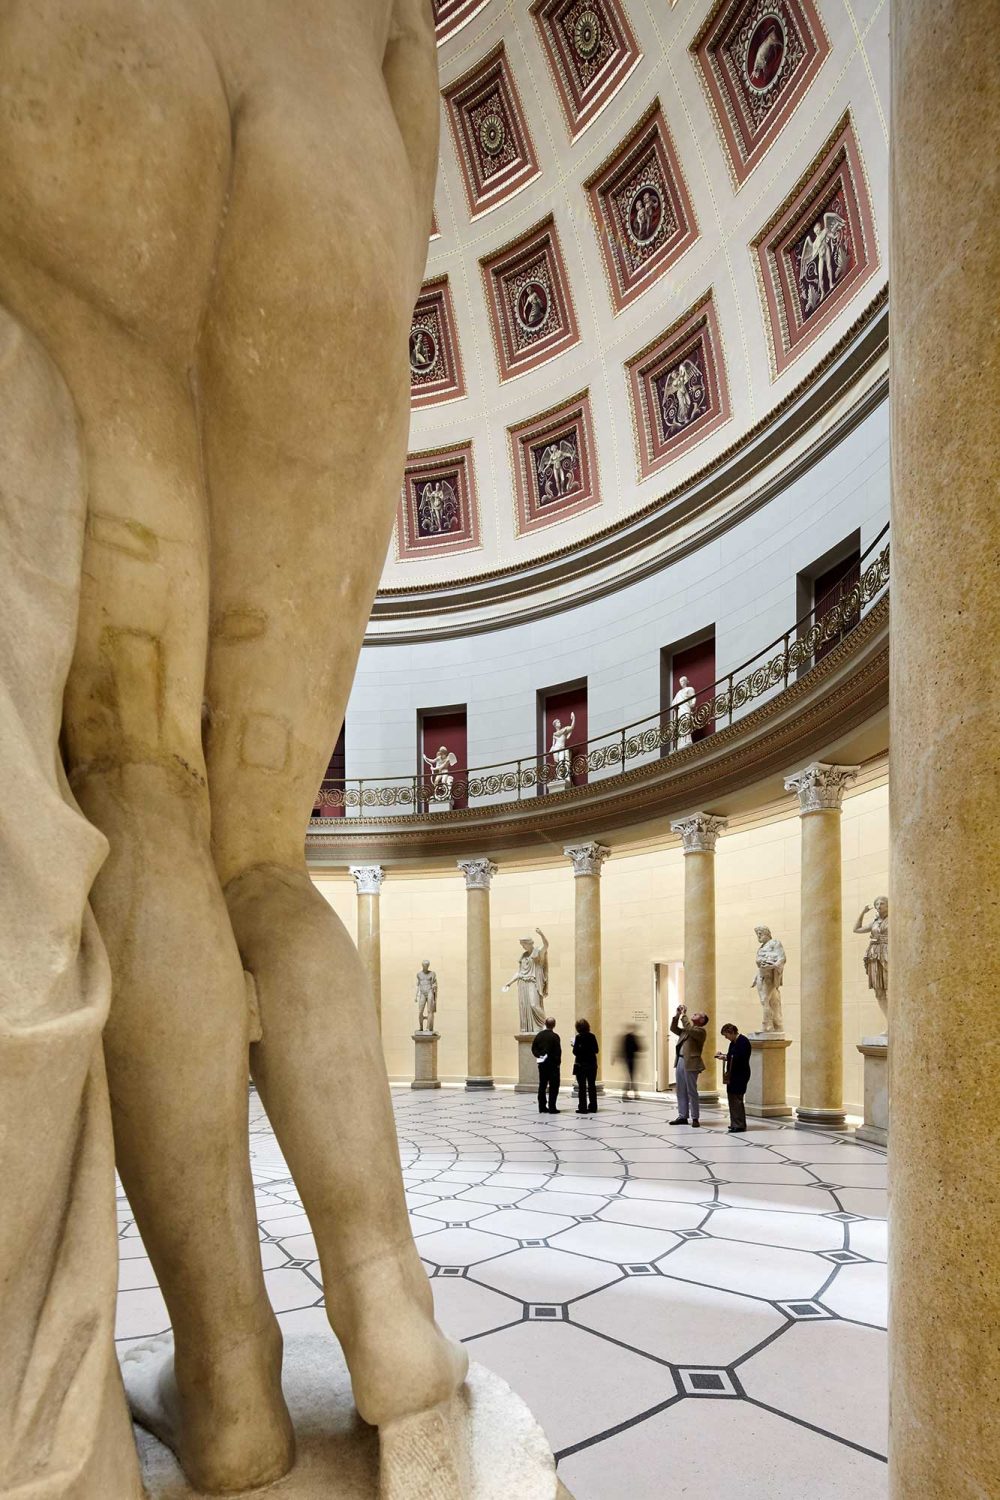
x=683 y=701
x=558 y=749
x=532 y=980
x=426 y=996
x=442 y=779
x=767 y=980
x=876 y=959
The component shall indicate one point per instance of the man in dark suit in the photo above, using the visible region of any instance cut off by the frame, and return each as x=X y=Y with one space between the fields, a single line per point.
x=736 y=1075
x=548 y=1049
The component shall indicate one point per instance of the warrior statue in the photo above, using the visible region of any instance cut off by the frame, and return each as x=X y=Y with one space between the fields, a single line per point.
x=532 y=980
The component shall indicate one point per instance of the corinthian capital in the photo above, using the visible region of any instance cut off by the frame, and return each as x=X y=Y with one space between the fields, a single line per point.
x=700 y=832
x=368 y=879
x=478 y=872
x=587 y=858
x=821 y=786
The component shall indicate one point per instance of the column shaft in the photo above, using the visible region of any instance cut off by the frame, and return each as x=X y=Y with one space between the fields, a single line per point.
x=478 y=981
x=944 y=700
x=821 y=1091
x=587 y=952
x=370 y=945
x=699 y=953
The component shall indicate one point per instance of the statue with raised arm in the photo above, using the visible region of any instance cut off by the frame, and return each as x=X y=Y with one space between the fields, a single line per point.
x=683 y=705
x=558 y=749
x=426 y=996
x=876 y=959
x=442 y=779
x=767 y=980
x=532 y=980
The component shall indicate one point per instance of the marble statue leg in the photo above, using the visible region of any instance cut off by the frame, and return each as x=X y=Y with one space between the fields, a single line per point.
x=304 y=378
x=64 y=1426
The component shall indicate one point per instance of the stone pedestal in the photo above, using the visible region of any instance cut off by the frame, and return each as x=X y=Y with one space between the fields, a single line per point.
x=491 y=1443
x=425 y=1060
x=766 y=1097
x=527 y=1064
x=875 y=1051
x=558 y=784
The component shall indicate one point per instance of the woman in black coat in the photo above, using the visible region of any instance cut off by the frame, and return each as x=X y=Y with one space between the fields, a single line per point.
x=585 y=1051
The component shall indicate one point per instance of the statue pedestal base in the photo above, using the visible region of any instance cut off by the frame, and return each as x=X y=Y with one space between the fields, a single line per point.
x=425 y=1062
x=440 y=804
x=488 y=1447
x=527 y=1064
x=558 y=784
x=765 y=1096
x=875 y=1051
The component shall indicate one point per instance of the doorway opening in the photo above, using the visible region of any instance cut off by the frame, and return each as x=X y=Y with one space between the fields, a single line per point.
x=668 y=993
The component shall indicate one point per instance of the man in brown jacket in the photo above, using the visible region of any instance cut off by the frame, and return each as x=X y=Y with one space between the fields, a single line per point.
x=688 y=1063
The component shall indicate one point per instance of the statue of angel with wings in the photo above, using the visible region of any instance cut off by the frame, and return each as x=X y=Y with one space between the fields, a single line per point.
x=442 y=779
x=824 y=258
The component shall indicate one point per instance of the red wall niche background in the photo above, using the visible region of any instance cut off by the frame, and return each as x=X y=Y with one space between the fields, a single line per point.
x=335 y=779
x=696 y=662
x=448 y=727
x=828 y=590
x=562 y=702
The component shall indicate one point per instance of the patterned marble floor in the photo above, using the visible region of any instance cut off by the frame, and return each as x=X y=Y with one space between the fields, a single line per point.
x=683 y=1311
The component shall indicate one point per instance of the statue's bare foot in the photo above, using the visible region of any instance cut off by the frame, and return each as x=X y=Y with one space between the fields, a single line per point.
x=400 y=1361
x=230 y=1430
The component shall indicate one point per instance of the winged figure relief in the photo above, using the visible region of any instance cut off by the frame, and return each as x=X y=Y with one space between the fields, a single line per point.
x=683 y=396
x=557 y=469
x=825 y=256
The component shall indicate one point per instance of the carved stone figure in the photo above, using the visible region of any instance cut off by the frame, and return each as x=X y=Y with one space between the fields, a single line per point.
x=204 y=364
x=767 y=980
x=532 y=980
x=441 y=778
x=824 y=258
x=426 y=996
x=558 y=749
x=876 y=959
x=683 y=703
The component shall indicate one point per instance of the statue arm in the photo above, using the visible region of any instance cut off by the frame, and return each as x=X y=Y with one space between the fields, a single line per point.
x=545 y=941
x=859 y=924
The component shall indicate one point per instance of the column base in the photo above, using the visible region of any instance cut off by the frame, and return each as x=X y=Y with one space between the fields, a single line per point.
x=765 y=1096
x=527 y=1064
x=875 y=1051
x=820 y=1119
x=478 y=1085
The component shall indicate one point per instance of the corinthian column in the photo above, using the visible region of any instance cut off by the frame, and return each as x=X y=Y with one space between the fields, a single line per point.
x=944 y=792
x=700 y=834
x=368 y=882
x=587 y=861
x=820 y=791
x=478 y=873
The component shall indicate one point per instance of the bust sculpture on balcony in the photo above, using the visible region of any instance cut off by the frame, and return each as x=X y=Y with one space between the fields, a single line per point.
x=683 y=702
x=532 y=980
x=767 y=980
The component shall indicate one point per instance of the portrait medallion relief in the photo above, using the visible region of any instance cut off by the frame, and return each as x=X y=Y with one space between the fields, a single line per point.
x=435 y=361
x=765 y=52
x=644 y=218
x=531 y=306
x=528 y=296
x=423 y=349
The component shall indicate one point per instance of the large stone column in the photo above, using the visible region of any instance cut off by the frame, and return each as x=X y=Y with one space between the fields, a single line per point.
x=700 y=834
x=478 y=873
x=368 y=881
x=820 y=791
x=587 y=861
x=944 y=703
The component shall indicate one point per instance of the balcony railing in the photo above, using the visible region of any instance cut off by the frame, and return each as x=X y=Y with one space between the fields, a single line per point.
x=785 y=660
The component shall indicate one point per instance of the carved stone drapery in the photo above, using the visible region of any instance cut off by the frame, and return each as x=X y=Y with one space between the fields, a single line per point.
x=479 y=872
x=700 y=832
x=821 y=786
x=587 y=858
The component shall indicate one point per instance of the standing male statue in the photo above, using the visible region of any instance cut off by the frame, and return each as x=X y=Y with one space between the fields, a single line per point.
x=558 y=749
x=426 y=996
x=767 y=980
x=532 y=980
x=204 y=313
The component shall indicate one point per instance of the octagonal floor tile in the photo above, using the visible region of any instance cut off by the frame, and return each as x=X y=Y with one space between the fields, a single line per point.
x=520 y=1224
x=141 y=1314
x=464 y=1309
x=756 y=1270
x=676 y=1321
x=453 y=1211
x=668 y=1192
x=547 y=1202
x=618 y=1243
x=787 y=1198
x=545 y=1275
x=869 y=1237
x=790 y=1231
x=658 y=1215
x=802 y=1374
x=288 y=1288
x=873 y=1203
x=861 y=1293
x=457 y=1246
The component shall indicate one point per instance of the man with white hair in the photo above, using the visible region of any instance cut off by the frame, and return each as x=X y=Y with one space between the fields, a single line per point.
x=688 y=1063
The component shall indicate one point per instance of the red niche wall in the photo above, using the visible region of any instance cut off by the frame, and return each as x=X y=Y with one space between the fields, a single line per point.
x=832 y=586
x=448 y=727
x=563 y=702
x=334 y=780
x=696 y=662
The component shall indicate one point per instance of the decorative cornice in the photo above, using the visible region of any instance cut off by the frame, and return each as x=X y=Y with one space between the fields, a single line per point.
x=700 y=832
x=587 y=858
x=821 y=786
x=368 y=879
x=478 y=872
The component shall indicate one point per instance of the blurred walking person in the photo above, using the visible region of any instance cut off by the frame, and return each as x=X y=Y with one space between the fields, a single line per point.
x=628 y=1050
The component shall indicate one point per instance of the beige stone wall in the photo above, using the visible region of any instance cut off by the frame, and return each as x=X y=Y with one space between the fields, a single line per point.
x=642 y=895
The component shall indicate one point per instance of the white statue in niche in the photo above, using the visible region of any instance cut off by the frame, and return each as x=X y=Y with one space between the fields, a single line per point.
x=532 y=980
x=559 y=747
x=767 y=980
x=683 y=701
x=876 y=959
x=426 y=996
x=442 y=780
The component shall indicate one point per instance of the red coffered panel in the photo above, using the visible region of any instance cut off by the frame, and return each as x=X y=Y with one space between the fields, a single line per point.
x=494 y=148
x=757 y=58
x=590 y=49
x=435 y=362
x=678 y=388
x=527 y=292
x=438 y=509
x=644 y=216
x=817 y=250
x=555 y=469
